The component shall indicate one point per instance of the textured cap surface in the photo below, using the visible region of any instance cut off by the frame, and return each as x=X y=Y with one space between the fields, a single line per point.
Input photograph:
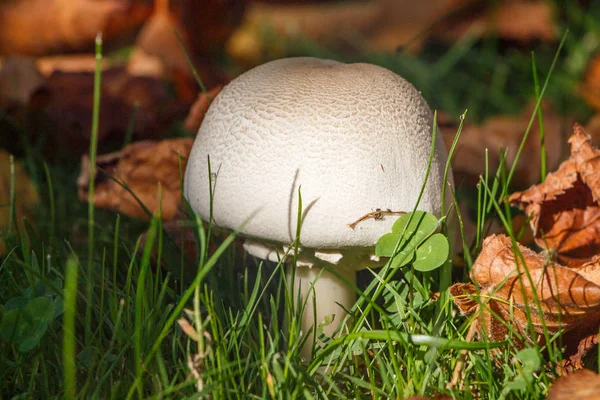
x=353 y=137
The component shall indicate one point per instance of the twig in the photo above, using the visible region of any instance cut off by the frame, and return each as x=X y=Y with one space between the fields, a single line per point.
x=376 y=215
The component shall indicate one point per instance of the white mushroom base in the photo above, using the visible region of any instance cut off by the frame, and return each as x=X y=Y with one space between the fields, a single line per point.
x=322 y=292
x=324 y=295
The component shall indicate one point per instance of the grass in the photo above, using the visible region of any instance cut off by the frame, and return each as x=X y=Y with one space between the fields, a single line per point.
x=91 y=311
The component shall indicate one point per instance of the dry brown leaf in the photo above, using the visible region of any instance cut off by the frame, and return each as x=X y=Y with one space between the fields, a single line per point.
x=506 y=292
x=39 y=27
x=62 y=107
x=463 y=297
x=564 y=209
x=567 y=299
x=581 y=385
x=199 y=108
x=141 y=167
x=26 y=195
x=506 y=132
x=515 y=20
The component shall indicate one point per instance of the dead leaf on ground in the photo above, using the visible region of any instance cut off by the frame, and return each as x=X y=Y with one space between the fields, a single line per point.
x=26 y=196
x=515 y=20
x=506 y=132
x=62 y=109
x=565 y=208
x=583 y=384
x=506 y=291
x=199 y=108
x=141 y=167
x=40 y=27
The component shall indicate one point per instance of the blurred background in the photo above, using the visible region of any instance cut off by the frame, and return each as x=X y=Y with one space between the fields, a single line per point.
x=491 y=58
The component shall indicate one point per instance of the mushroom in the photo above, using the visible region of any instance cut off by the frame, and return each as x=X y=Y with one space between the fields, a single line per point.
x=353 y=139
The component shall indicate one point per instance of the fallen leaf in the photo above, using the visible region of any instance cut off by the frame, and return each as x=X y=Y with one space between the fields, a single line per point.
x=62 y=109
x=199 y=108
x=40 y=27
x=514 y=20
x=26 y=196
x=506 y=132
x=507 y=291
x=463 y=297
x=141 y=167
x=564 y=210
x=581 y=385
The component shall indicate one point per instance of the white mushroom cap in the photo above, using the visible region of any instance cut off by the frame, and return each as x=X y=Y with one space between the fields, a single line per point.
x=354 y=137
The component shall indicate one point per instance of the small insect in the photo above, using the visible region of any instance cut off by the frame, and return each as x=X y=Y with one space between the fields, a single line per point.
x=376 y=215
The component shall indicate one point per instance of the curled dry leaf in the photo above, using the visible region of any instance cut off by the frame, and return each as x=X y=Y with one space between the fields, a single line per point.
x=581 y=385
x=565 y=208
x=141 y=167
x=509 y=288
x=39 y=27
x=62 y=108
x=199 y=108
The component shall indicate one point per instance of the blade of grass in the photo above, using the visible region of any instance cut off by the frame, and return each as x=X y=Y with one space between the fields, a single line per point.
x=92 y=181
x=68 y=353
x=536 y=86
x=533 y=115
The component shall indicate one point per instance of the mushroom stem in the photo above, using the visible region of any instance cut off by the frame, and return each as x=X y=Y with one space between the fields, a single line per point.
x=332 y=295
